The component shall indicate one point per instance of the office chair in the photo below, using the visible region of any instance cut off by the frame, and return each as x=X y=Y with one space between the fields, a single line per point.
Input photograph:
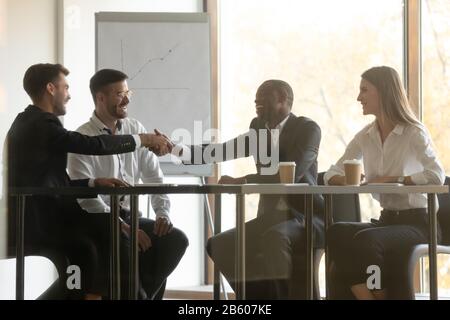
x=58 y=289
x=402 y=278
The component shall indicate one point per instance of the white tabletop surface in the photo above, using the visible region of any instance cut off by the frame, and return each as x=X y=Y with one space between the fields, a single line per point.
x=306 y=189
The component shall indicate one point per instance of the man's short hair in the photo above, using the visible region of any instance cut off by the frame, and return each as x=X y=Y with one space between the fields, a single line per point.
x=39 y=75
x=282 y=88
x=104 y=77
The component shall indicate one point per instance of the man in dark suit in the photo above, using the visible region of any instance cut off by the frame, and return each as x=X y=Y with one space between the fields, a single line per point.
x=278 y=233
x=37 y=146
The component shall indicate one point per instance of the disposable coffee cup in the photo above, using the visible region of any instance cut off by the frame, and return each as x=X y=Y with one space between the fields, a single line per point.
x=287 y=172
x=352 y=172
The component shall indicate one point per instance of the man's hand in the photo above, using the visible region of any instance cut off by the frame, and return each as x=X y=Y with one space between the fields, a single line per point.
x=171 y=144
x=231 y=180
x=110 y=182
x=163 y=226
x=144 y=241
x=159 y=133
x=158 y=144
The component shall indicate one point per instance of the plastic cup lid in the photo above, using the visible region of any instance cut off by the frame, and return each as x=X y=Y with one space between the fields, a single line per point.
x=287 y=163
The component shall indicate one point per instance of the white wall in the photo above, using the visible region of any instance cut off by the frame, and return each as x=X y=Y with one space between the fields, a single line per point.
x=78 y=51
x=63 y=31
x=27 y=35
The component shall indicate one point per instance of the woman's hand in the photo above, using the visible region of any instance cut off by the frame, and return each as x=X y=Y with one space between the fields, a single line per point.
x=382 y=179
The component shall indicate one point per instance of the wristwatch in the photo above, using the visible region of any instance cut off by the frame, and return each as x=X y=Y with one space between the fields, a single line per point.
x=401 y=179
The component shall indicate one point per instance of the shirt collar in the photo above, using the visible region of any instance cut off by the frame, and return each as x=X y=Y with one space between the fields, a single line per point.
x=373 y=129
x=398 y=129
x=101 y=126
x=279 y=126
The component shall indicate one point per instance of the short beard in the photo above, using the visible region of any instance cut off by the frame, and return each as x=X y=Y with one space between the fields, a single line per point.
x=59 y=109
x=112 y=110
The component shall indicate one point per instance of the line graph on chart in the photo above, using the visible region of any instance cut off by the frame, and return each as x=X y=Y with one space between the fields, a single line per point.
x=168 y=63
x=146 y=66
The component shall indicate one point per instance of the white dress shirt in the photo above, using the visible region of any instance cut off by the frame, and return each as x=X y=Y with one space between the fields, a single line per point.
x=133 y=167
x=278 y=127
x=281 y=205
x=407 y=151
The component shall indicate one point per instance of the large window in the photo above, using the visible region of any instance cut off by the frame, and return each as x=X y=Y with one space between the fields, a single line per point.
x=436 y=73
x=320 y=48
x=436 y=93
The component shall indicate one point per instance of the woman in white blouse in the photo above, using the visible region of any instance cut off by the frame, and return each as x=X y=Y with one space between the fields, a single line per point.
x=395 y=148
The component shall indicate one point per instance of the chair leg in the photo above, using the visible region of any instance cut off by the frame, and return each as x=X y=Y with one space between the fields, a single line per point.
x=318 y=254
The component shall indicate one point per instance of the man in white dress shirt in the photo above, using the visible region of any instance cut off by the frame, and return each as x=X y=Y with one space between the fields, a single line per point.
x=161 y=246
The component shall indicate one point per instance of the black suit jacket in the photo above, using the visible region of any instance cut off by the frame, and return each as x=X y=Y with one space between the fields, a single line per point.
x=299 y=142
x=37 y=145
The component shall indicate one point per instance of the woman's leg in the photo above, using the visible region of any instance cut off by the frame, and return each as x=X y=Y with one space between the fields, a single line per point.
x=340 y=241
x=371 y=247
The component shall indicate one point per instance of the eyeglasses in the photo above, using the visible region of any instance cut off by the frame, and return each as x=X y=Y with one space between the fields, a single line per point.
x=123 y=94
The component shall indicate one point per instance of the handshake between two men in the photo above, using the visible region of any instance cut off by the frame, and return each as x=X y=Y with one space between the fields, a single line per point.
x=157 y=142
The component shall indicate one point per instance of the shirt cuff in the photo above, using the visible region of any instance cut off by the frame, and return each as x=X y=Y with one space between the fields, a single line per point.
x=91 y=183
x=137 y=139
x=327 y=176
x=333 y=171
x=419 y=178
x=181 y=151
x=162 y=214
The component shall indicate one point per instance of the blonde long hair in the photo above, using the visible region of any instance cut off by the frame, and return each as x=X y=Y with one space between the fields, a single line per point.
x=394 y=102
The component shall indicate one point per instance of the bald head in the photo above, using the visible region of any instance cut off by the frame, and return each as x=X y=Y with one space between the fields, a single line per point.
x=274 y=100
x=281 y=89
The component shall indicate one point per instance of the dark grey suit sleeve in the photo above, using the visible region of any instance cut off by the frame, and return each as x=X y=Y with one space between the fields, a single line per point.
x=79 y=182
x=74 y=142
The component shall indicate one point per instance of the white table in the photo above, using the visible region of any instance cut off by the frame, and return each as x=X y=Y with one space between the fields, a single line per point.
x=240 y=190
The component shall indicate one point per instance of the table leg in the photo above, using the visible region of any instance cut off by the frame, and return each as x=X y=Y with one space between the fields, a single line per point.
x=217 y=230
x=115 y=249
x=20 y=251
x=328 y=223
x=432 y=246
x=240 y=247
x=309 y=248
x=134 y=256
